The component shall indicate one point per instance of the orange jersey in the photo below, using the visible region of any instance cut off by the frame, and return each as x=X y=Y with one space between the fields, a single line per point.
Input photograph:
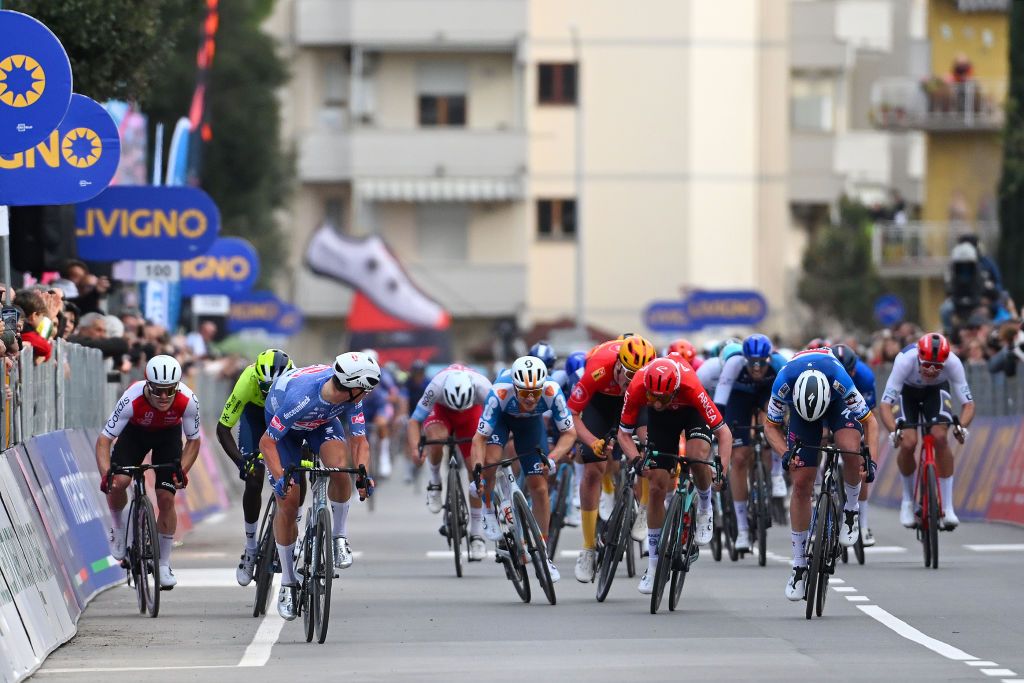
x=598 y=376
x=690 y=394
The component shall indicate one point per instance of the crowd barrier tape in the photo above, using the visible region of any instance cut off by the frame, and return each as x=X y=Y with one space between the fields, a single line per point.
x=989 y=484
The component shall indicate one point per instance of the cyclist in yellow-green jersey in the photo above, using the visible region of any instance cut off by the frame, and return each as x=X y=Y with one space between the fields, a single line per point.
x=246 y=403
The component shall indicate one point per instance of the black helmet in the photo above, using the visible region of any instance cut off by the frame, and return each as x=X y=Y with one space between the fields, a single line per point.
x=846 y=356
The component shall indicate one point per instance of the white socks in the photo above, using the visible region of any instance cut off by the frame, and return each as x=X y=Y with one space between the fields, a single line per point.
x=704 y=499
x=653 y=537
x=908 y=486
x=946 y=491
x=435 y=473
x=117 y=517
x=250 y=536
x=286 y=553
x=166 y=543
x=476 y=521
x=741 y=515
x=339 y=511
x=799 y=541
x=852 y=493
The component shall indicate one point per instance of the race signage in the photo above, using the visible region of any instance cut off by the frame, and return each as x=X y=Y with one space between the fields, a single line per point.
x=73 y=163
x=290 y=321
x=35 y=82
x=230 y=266
x=263 y=311
x=703 y=308
x=139 y=223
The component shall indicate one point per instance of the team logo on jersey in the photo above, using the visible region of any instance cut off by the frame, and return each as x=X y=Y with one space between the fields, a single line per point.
x=359 y=419
x=838 y=386
x=501 y=393
x=784 y=390
x=549 y=389
x=275 y=423
x=578 y=392
x=598 y=374
x=147 y=418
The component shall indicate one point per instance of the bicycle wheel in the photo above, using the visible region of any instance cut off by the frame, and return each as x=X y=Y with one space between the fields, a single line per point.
x=631 y=545
x=666 y=549
x=729 y=526
x=817 y=568
x=762 y=514
x=306 y=586
x=716 y=531
x=515 y=570
x=932 y=537
x=148 y=539
x=615 y=539
x=558 y=508
x=858 y=550
x=265 y=554
x=681 y=562
x=535 y=546
x=452 y=520
x=323 y=574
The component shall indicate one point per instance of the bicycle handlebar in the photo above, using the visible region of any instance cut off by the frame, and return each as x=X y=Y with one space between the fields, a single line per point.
x=362 y=478
x=450 y=441
x=716 y=467
x=478 y=469
x=901 y=425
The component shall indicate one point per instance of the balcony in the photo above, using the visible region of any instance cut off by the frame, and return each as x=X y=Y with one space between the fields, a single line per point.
x=415 y=153
x=936 y=105
x=411 y=24
x=921 y=249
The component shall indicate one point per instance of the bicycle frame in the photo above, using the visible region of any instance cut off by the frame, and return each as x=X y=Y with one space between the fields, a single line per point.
x=926 y=485
x=456 y=508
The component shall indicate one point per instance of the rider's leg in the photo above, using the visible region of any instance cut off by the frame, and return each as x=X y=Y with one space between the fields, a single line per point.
x=699 y=448
x=538 y=485
x=660 y=482
x=944 y=465
x=738 y=468
x=335 y=453
x=802 y=479
x=848 y=439
x=166 y=523
x=285 y=533
x=435 y=453
x=906 y=463
x=590 y=493
x=251 y=505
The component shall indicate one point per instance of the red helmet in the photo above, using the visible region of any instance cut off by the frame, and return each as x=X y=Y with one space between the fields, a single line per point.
x=932 y=348
x=663 y=377
x=684 y=348
x=817 y=343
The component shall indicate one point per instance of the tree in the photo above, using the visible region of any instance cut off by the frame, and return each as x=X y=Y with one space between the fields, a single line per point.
x=1011 y=185
x=117 y=48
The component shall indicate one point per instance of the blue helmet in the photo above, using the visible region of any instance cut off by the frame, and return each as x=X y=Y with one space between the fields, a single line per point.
x=575 y=361
x=544 y=351
x=757 y=346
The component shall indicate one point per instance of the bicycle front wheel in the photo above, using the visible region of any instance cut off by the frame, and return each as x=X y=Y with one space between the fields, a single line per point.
x=631 y=545
x=515 y=570
x=667 y=546
x=681 y=562
x=932 y=536
x=265 y=553
x=817 y=573
x=615 y=539
x=534 y=545
x=564 y=483
x=323 y=574
x=309 y=559
x=148 y=549
x=452 y=518
x=762 y=513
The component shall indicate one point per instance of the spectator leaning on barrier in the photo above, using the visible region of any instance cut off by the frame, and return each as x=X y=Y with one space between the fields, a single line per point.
x=91 y=290
x=37 y=325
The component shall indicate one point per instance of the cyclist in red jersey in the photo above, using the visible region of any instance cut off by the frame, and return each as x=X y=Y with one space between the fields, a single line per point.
x=687 y=350
x=596 y=404
x=679 y=404
x=150 y=416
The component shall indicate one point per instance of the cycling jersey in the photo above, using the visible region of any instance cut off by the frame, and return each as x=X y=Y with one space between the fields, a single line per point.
x=246 y=391
x=906 y=372
x=502 y=400
x=133 y=407
x=598 y=376
x=708 y=374
x=377 y=403
x=564 y=381
x=689 y=395
x=864 y=379
x=434 y=393
x=736 y=377
x=295 y=403
x=843 y=389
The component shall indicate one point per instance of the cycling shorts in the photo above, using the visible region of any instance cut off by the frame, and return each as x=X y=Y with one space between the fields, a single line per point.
x=135 y=442
x=289 y=448
x=461 y=424
x=739 y=413
x=602 y=416
x=926 y=404
x=664 y=428
x=528 y=434
x=837 y=417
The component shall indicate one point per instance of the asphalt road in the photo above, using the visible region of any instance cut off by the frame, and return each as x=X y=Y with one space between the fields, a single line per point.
x=400 y=614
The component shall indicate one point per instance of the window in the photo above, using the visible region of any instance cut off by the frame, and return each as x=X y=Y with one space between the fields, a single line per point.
x=442 y=232
x=812 y=102
x=442 y=86
x=556 y=218
x=556 y=84
x=334 y=214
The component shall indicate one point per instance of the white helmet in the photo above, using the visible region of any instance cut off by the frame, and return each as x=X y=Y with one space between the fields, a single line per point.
x=458 y=390
x=529 y=372
x=811 y=395
x=163 y=370
x=356 y=370
x=372 y=353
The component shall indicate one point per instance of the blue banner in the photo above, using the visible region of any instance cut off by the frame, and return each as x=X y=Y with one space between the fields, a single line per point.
x=74 y=163
x=230 y=267
x=72 y=498
x=702 y=309
x=263 y=311
x=35 y=82
x=290 y=321
x=138 y=223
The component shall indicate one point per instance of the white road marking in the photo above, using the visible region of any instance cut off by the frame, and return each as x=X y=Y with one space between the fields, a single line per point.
x=981 y=663
x=258 y=651
x=885 y=550
x=998 y=672
x=843 y=589
x=450 y=555
x=116 y=669
x=996 y=547
x=857 y=598
x=910 y=633
x=198 y=555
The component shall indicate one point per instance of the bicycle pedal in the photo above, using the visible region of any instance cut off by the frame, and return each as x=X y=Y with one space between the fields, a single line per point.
x=443 y=530
x=336 y=575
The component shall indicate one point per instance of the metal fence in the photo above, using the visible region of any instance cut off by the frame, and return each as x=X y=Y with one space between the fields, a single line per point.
x=995 y=394
x=69 y=390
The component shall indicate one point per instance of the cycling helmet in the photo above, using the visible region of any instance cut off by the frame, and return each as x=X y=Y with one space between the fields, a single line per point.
x=757 y=346
x=846 y=356
x=662 y=377
x=372 y=353
x=271 y=364
x=811 y=395
x=816 y=343
x=458 y=390
x=932 y=348
x=529 y=372
x=544 y=351
x=730 y=350
x=684 y=348
x=625 y=335
x=356 y=370
x=575 y=361
x=163 y=370
x=635 y=353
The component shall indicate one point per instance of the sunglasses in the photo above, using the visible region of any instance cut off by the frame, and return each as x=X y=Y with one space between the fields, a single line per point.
x=627 y=373
x=931 y=365
x=528 y=393
x=757 y=363
x=162 y=391
x=659 y=398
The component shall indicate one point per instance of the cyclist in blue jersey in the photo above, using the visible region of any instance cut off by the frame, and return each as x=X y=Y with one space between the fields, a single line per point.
x=379 y=409
x=515 y=407
x=743 y=389
x=864 y=379
x=308 y=405
x=821 y=396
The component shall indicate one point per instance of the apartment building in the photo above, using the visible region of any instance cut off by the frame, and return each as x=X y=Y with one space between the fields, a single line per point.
x=451 y=128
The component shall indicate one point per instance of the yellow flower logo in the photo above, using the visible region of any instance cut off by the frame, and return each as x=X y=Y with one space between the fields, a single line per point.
x=82 y=148
x=22 y=81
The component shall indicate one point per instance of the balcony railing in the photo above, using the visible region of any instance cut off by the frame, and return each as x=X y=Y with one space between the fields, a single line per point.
x=935 y=104
x=921 y=249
